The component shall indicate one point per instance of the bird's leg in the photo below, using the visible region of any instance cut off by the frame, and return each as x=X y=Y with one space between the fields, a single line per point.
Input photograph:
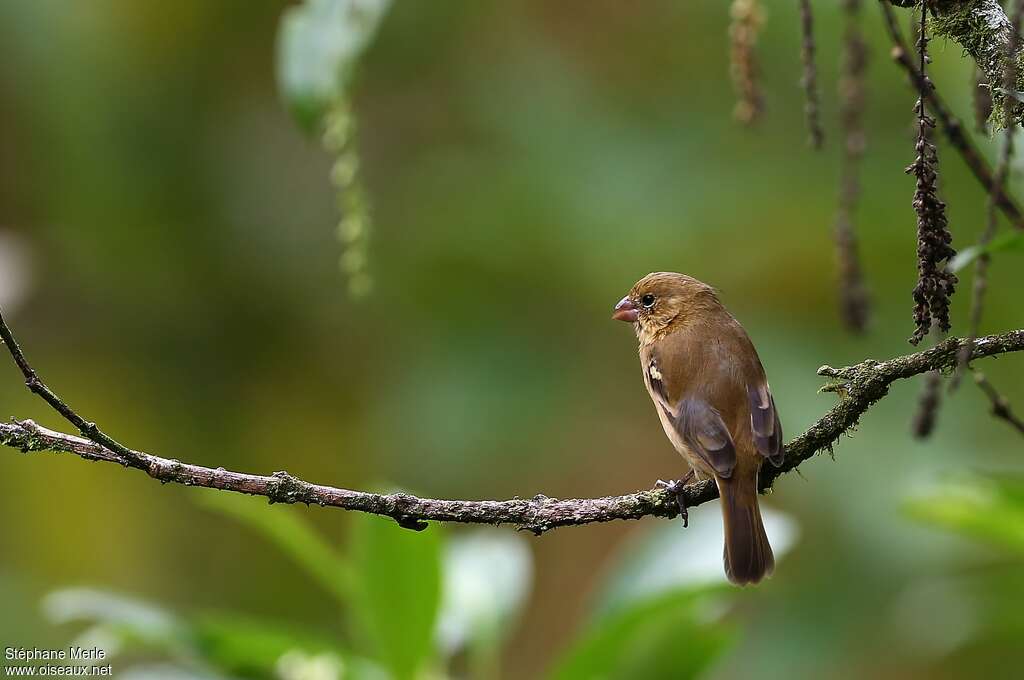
x=676 y=489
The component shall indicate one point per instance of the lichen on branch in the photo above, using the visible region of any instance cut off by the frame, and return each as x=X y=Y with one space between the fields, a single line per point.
x=982 y=29
x=858 y=387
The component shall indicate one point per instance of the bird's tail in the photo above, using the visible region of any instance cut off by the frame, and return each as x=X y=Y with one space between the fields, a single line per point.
x=748 y=556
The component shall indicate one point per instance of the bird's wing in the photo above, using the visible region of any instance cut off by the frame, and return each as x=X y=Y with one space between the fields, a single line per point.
x=698 y=423
x=704 y=431
x=764 y=423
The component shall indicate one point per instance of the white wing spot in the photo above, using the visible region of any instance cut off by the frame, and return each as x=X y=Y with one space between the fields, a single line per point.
x=653 y=370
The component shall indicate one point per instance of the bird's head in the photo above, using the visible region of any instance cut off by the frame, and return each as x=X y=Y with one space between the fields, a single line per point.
x=662 y=300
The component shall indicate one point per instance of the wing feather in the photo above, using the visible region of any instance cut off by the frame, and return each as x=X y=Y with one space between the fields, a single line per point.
x=764 y=423
x=704 y=431
x=698 y=424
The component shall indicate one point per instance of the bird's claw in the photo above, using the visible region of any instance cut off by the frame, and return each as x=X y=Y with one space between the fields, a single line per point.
x=676 y=489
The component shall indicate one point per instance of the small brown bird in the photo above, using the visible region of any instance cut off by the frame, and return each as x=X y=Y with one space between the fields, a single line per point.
x=709 y=389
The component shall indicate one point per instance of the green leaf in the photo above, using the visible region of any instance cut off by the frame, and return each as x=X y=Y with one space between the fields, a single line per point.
x=295 y=537
x=669 y=636
x=487 y=578
x=240 y=645
x=231 y=644
x=984 y=507
x=120 y=618
x=249 y=647
x=318 y=44
x=1006 y=242
x=399 y=573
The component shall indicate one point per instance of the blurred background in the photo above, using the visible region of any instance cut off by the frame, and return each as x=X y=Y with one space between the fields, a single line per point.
x=168 y=258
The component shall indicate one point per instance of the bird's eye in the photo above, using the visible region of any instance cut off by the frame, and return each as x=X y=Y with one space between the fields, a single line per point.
x=647 y=301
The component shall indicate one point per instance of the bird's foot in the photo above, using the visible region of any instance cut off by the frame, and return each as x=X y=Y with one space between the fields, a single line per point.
x=676 y=489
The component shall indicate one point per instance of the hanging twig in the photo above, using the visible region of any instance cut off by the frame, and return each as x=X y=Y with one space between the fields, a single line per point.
x=854 y=303
x=927 y=411
x=747 y=19
x=935 y=283
x=809 y=81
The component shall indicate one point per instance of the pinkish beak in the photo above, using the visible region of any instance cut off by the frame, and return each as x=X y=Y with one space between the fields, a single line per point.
x=626 y=311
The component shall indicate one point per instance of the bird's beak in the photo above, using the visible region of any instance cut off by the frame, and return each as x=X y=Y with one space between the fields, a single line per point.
x=626 y=311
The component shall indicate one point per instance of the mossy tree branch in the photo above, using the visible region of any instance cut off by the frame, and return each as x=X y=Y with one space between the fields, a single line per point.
x=858 y=387
x=982 y=28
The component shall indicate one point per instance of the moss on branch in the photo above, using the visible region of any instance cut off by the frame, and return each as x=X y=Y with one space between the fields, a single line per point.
x=982 y=29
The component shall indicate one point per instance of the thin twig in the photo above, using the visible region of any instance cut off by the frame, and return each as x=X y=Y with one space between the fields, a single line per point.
x=858 y=387
x=991 y=224
x=809 y=81
x=923 y=422
x=537 y=514
x=1000 y=406
x=86 y=427
x=949 y=123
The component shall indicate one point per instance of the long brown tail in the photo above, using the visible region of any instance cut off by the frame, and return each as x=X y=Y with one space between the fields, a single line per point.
x=748 y=556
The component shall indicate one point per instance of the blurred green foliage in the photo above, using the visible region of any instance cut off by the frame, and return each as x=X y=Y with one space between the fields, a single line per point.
x=1004 y=243
x=170 y=263
x=663 y=638
x=398 y=605
x=319 y=44
x=985 y=507
x=392 y=600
